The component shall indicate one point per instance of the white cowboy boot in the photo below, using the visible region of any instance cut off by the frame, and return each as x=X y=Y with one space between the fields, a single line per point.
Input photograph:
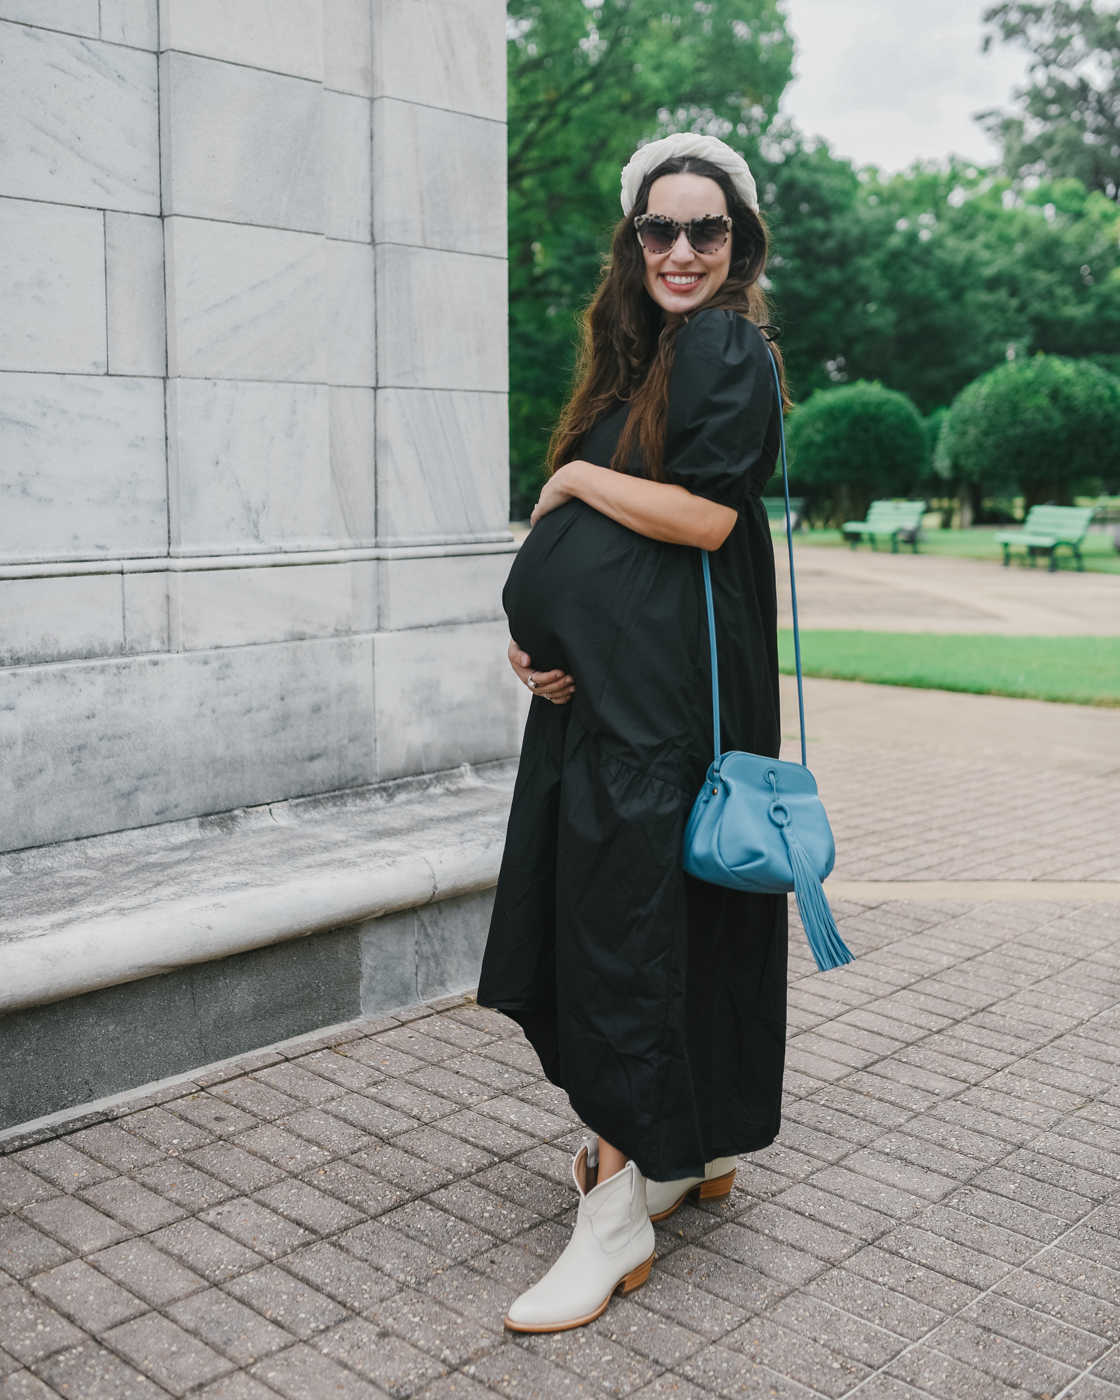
x=612 y=1247
x=664 y=1197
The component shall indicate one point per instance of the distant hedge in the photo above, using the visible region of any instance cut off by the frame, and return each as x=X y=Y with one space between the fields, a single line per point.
x=855 y=444
x=1036 y=426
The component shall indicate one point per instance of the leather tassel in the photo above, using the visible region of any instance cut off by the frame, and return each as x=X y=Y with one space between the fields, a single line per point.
x=825 y=943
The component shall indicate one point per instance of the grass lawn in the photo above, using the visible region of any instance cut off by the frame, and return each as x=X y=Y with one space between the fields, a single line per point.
x=1099 y=554
x=1078 y=670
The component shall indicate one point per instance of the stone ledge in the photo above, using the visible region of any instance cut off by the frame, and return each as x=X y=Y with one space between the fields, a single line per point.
x=500 y=542
x=107 y=910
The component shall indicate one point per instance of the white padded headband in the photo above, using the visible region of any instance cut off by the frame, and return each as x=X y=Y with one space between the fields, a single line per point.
x=686 y=143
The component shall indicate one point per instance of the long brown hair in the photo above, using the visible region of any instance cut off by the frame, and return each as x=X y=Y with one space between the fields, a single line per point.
x=627 y=342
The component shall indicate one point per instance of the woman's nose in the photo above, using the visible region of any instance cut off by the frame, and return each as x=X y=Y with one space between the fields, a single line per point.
x=681 y=250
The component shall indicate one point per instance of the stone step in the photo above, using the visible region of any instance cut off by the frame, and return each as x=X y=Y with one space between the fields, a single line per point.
x=130 y=957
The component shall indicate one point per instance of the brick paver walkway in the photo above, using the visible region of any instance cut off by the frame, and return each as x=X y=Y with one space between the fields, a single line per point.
x=917 y=817
x=350 y=1218
x=940 y=1217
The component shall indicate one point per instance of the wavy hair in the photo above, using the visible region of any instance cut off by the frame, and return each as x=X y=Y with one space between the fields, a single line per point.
x=627 y=342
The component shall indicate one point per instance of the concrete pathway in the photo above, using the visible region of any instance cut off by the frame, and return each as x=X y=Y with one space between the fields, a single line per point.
x=840 y=588
x=940 y=1217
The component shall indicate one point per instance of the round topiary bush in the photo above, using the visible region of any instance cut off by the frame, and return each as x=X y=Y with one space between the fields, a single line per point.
x=855 y=444
x=1036 y=425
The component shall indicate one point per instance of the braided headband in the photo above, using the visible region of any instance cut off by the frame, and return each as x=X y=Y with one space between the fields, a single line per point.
x=687 y=143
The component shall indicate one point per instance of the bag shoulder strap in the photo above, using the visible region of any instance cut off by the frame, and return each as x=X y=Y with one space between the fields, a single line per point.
x=792 y=590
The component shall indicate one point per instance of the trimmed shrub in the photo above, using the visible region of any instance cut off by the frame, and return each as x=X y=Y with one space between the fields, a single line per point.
x=1037 y=426
x=855 y=444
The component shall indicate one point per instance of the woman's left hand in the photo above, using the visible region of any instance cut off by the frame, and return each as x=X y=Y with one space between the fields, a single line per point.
x=554 y=494
x=549 y=685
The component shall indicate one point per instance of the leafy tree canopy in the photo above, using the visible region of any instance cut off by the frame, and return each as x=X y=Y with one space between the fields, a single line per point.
x=1068 y=118
x=1039 y=425
x=856 y=443
x=925 y=280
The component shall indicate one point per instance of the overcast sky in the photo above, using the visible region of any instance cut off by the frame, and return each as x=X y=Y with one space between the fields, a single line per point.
x=887 y=81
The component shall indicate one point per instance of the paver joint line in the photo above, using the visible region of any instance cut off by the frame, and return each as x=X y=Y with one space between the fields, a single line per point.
x=1053 y=1244
x=1113 y=1351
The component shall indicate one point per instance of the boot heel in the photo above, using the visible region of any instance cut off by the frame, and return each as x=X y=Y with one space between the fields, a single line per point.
x=636 y=1277
x=718 y=1187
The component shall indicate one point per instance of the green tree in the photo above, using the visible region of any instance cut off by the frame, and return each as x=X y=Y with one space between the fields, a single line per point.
x=931 y=428
x=1068 y=118
x=923 y=280
x=821 y=267
x=587 y=83
x=855 y=444
x=1041 y=425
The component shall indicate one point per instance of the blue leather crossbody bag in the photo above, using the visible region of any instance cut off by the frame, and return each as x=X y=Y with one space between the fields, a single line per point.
x=758 y=823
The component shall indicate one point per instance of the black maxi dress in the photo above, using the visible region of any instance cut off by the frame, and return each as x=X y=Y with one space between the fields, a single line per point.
x=656 y=1001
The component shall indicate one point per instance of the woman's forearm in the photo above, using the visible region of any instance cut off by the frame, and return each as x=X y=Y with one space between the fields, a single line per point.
x=652 y=508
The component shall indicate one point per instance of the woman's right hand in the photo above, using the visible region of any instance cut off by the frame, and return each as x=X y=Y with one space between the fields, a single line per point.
x=552 y=685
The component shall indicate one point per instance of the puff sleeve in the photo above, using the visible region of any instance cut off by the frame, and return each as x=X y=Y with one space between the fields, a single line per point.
x=721 y=397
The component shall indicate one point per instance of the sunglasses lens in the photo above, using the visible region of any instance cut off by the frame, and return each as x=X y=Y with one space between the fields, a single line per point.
x=708 y=235
x=658 y=235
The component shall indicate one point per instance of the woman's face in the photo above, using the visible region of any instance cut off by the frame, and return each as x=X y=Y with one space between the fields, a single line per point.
x=682 y=279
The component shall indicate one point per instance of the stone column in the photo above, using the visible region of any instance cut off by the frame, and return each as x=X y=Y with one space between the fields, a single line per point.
x=439 y=230
x=253 y=451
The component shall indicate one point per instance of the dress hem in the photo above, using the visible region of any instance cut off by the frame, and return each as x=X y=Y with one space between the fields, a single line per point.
x=749 y=1143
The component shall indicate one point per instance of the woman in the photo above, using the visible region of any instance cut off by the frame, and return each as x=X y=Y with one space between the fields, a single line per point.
x=655 y=1001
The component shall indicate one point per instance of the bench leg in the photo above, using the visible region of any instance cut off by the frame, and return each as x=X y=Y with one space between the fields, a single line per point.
x=1006 y=555
x=853 y=540
x=894 y=544
x=1080 y=561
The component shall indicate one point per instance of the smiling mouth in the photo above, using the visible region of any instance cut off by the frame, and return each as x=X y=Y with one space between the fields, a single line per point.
x=684 y=282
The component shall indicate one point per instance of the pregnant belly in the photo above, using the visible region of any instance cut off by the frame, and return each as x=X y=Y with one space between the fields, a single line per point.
x=561 y=590
x=617 y=611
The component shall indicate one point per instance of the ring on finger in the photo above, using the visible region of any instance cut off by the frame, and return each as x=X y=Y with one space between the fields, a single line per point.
x=531 y=683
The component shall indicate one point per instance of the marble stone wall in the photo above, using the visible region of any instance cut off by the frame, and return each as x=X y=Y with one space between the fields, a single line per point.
x=253 y=453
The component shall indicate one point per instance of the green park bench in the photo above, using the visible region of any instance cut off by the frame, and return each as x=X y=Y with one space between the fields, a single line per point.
x=776 y=511
x=888 y=519
x=1046 y=529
